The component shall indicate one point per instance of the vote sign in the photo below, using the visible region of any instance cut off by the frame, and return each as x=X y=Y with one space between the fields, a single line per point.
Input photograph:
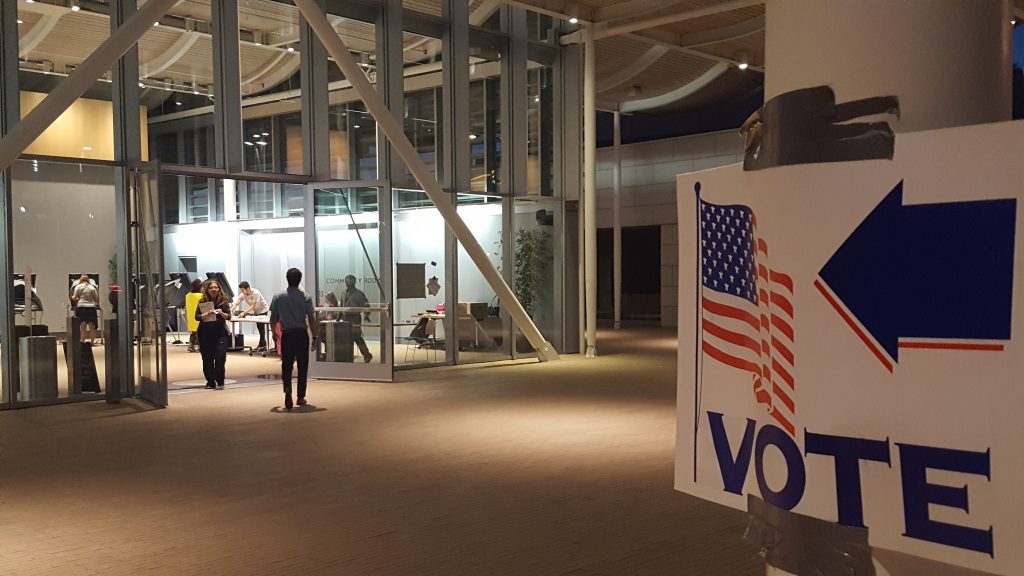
x=850 y=343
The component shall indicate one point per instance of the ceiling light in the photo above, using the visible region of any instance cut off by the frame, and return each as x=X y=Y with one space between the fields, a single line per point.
x=472 y=136
x=574 y=20
x=75 y=7
x=742 y=65
x=266 y=133
x=177 y=102
x=23 y=210
x=29 y=1
x=156 y=23
x=141 y=85
x=290 y=49
x=261 y=143
x=20 y=21
x=536 y=98
x=247 y=143
x=87 y=148
x=92 y=216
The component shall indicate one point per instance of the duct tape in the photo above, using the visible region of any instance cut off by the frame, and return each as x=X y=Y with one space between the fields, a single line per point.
x=807 y=546
x=807 y=126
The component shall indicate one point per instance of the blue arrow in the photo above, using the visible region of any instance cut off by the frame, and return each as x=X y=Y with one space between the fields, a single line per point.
x=928 y=270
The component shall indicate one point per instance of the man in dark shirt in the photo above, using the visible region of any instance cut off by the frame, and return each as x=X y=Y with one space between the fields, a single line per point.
x=293 y=310
x=354 y=298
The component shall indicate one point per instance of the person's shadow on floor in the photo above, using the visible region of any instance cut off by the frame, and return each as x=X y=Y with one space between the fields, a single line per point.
x=297 y=410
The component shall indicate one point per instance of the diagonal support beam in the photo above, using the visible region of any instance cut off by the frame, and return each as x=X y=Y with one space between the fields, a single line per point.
x=75 y=85
x=401 y=145
x=174 y=53
x=627 y=73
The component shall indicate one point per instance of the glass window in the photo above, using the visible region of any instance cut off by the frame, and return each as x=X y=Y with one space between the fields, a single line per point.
x=485 y=129
x=177 y=85
x=419 y=239
x=534 y=282
x=540 y=126
x=270 y=62
x=64 y=225
x=348 y=245
x=46 y=58
x=482 y=328
x=353 y=131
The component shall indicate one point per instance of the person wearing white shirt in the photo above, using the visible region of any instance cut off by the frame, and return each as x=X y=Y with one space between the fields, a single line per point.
x=256 y=305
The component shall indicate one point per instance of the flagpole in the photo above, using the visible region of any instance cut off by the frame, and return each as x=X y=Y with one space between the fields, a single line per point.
x=700 y=315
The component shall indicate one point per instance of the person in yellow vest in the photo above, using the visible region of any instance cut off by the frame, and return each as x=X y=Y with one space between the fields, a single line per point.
x=191 y=304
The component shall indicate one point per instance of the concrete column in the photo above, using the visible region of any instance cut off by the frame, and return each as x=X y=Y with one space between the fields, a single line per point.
x=948 y=61
x=589 y=193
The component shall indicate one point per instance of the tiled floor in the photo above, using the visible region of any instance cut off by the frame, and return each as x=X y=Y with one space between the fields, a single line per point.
x=562 y=468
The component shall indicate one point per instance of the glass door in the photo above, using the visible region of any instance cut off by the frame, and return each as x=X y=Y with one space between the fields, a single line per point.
x=348 y=278
x=148 y=302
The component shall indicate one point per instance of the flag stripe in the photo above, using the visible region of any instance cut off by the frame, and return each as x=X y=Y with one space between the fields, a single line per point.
x=783 y=373
x=782 y=326
x=853 y=325
x=781 y=348
x=784 y=279
x=952 y=346
x=780 y=301
x=731 y=337
x=729 y=359
x=731 y=312
x=783 y=422
x=781 y=395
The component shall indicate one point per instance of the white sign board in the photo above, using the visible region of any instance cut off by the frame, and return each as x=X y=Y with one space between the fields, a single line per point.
x=850 y=343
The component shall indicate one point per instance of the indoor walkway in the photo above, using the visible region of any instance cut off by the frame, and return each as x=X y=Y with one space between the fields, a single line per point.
x=562 y=468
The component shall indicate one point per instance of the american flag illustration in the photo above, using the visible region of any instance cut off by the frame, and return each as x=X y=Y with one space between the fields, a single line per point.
x=747 y=311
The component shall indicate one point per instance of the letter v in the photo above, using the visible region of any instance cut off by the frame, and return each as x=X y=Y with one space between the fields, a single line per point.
x=734 y=472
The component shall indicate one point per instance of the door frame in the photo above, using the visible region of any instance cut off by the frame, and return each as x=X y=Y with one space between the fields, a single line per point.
x=374 y=371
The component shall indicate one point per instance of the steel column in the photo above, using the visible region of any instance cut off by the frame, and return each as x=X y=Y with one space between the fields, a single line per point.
x=227 y=87
x=127 y=151
x=617 y=220
x=392 y=128
x=589 y=196
x=316 y=140
x=10 y=110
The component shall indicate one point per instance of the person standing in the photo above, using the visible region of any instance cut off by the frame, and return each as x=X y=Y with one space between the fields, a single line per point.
x=192 y=300
x=213 y=313
x=354 y=298
x=86 y=299
x=293 y=311
x=256 y=305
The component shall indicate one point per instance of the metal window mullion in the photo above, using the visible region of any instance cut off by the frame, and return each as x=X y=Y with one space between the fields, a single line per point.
x=10 y=111
x=455 y=172
x=316 y=143
x=514 y=106
x=227 y=107
x=568 y=173
x=390 y=83
x=128 y=151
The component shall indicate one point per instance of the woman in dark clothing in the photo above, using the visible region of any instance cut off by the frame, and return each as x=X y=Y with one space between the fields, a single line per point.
x=213 y=333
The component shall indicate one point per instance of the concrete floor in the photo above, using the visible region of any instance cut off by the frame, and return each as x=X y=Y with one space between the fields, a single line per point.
x=562 y=468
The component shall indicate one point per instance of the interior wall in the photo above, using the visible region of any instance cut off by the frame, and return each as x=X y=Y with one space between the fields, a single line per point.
x=63 y=223
x=648 y=197
x=84 y=130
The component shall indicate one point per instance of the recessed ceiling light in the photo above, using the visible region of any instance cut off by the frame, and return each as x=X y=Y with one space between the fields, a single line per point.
x=266 y=133
x=290 y=49
x=156 y=23
x=20 y=21
x=261 y=143
x=75 y=7
x=472 y=136
x=87 y=148
x=141 y=85
x=177 y=102
x=742 y=65
x=23 y=210
x=536 y=98
x=574 y=20
x=247 y=143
